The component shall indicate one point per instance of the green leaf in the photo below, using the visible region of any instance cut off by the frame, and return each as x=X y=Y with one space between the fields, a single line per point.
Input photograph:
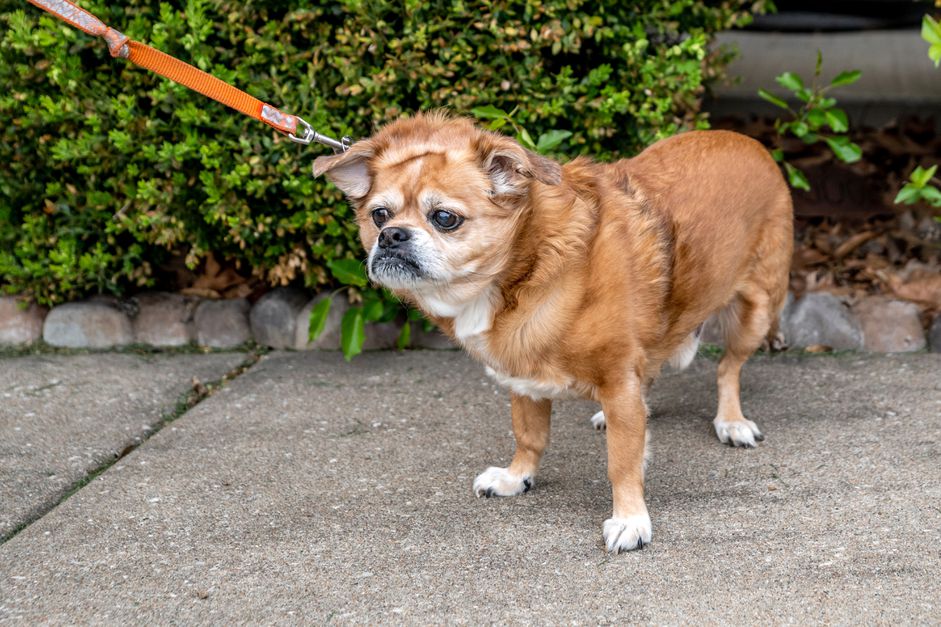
x=790 y=80
x=497 y=124
x=348 y=271
x=837 y=120
x=934 y=53
x=819 y=64
x=816 y=118
x=488 y=112
x=803 y=94
x=373 y=310
x=766 y=95
x=778 y=155
x=526 y=139
x=799 y=129
x=844 y=149
x=352 y=332
x=931 y=30
x=318 y=318
x=415 y=314
x=920 y=176
x=405 y=336
x=932 y=194
x=846 y=78
x=826 y=103
x=391 y=307
x=551 y=139
x=796 y=178
x=908 y=195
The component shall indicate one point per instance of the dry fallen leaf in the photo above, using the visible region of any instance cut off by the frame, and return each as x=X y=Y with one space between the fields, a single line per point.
x=806 y=257
x=201 y=292
x=852 y=244
x=215 y=278
x=921 y=289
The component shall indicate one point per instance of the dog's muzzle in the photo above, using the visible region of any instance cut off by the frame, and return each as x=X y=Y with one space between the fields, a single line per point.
x=394 y=261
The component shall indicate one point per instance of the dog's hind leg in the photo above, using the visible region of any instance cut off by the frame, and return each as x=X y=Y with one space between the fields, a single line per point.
x=746 y=321
x=531 y=428
x=750 y=317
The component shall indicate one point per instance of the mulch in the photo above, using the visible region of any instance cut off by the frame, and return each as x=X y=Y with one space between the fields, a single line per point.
x=851 y=239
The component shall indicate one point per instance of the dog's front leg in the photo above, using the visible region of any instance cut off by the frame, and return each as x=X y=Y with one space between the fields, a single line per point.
x=626 y=417
x=531 y=428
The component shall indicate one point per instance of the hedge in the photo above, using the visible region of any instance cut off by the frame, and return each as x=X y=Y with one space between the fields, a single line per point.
x=110 y=173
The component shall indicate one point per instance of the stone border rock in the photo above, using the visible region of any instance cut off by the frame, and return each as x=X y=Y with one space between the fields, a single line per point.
x=279 y=320
x=159 y=319
x=20 y=322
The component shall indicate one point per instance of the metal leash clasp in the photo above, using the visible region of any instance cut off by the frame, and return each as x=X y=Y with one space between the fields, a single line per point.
x=310 y=135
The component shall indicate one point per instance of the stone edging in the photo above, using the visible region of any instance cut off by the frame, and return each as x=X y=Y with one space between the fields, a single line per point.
x=279 y=320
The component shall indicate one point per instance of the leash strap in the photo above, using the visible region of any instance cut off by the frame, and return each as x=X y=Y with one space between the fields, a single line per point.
x=187 y=75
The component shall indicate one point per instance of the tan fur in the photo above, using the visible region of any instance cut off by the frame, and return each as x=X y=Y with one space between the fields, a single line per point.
x=595 y=274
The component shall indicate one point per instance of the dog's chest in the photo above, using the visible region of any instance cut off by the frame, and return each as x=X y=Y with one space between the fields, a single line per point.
x=564 y=388
x=472 y=321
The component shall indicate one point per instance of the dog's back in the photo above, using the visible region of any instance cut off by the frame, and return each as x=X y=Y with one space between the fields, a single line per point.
x=731 y=217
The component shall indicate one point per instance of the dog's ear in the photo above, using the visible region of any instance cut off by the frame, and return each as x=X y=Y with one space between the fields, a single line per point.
x=511 y=167
x=348 y=170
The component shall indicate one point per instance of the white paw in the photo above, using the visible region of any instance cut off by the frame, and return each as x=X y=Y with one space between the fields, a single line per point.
x=627 y=534
x=597 y=421
x=499 y=482
x=738 y=432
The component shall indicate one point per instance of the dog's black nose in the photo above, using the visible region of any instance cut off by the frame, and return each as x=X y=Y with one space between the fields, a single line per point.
x=392 y=237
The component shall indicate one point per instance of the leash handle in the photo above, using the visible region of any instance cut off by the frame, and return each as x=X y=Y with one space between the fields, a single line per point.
x=188 y=76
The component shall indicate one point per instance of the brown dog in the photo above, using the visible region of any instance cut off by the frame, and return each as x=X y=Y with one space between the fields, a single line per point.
x=580 y=279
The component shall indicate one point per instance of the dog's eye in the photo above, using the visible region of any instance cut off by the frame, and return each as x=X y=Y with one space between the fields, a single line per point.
x=445 y=220
x=380 y=216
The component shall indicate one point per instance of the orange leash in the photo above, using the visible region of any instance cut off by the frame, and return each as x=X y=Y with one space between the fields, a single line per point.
x=187 y=75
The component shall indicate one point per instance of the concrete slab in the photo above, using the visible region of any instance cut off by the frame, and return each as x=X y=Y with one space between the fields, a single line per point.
x=311 y=491
x=897 y=75
x=62 y=416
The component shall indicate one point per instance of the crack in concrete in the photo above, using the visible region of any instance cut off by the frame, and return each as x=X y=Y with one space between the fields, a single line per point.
x=197 y=393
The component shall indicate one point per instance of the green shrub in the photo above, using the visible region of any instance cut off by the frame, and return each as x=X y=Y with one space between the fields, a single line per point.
x=109 y=170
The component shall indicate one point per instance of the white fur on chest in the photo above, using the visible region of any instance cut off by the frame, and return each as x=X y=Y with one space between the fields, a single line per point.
x=471 y=318
x=534 y=389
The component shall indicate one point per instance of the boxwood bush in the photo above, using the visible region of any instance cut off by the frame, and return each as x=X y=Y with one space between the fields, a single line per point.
x=109 y=171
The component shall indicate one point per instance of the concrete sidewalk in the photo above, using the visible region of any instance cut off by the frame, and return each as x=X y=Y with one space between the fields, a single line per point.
x=311 y=490
x=62 y=417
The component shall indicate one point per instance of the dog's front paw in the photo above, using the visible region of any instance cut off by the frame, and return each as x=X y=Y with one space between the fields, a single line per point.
x=742 y=432
x=597 y=421
x=500 y=482
x=627 y=534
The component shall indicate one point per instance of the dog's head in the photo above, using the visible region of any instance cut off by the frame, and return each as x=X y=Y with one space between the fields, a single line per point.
x=437 y=200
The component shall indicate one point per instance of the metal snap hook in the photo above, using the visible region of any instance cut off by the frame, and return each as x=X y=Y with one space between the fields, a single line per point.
x=310 y=135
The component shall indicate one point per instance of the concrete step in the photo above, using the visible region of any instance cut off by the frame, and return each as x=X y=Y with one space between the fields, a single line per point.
x=897 y=75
